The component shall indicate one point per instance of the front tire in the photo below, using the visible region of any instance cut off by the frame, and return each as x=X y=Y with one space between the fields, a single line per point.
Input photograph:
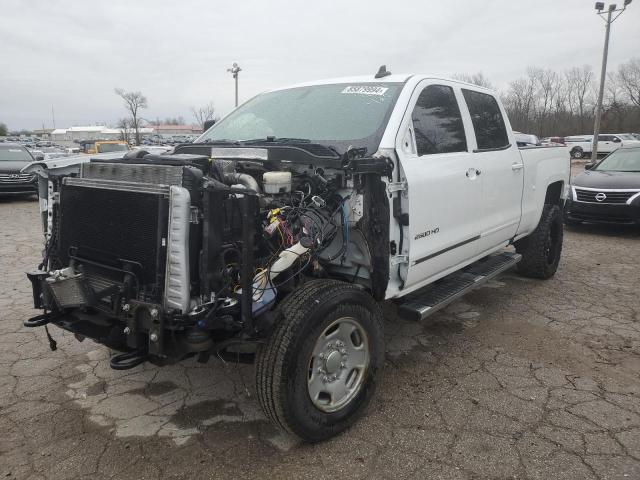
x=542 y=249
x=319 y=368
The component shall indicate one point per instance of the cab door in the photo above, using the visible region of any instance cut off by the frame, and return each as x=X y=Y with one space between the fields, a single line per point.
x=605 y=144
x=502 y=169
x=444 y=185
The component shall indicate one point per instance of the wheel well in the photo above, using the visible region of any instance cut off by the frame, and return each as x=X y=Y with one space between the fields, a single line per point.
x=554 y=191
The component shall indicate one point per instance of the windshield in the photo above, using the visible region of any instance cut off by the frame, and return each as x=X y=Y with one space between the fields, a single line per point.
x=336 y=115
x=622 y=160
x=111 y=147
x=13 y=153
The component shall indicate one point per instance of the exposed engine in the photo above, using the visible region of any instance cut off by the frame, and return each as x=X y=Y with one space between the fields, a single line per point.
x=168 y=255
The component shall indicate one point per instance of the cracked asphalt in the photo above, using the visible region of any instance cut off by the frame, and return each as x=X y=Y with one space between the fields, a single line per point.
x=520 y=379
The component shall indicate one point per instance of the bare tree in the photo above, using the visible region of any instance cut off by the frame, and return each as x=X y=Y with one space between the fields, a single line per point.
x=547 y=89
x=629 y=79
x=580 y=85
x=546 y=103
x=134 y=101
x=520 y=103
x=615 y=109
x=474 y=78
x=204 y=113
x=124 y=124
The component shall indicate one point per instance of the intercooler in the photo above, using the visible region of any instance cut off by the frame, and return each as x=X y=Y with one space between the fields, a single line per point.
x=129 y=220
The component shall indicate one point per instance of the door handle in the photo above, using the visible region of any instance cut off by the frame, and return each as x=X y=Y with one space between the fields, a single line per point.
x=517 y=166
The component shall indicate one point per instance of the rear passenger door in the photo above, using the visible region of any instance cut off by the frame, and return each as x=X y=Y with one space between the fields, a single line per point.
x=501 y=167
x=444 y=191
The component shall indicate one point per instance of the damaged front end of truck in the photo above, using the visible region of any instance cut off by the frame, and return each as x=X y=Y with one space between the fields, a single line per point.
x=162 y=257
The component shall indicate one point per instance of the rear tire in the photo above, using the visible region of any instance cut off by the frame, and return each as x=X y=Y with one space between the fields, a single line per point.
x=308 y=359
x=577 y=152
x=542 y=249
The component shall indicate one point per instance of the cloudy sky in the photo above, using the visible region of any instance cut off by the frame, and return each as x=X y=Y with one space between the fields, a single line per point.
x=72 y=53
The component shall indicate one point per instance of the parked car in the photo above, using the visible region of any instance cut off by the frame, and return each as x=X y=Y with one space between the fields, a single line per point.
x=13 y=158
x=608 y=192
x=278 y=233
x=581 y=146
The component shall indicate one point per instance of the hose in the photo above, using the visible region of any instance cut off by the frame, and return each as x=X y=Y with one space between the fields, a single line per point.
x=242 y=179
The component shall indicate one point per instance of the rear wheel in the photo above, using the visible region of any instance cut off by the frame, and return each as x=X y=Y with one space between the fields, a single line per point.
x=577 y=152
x=542 y=249
x=319 y=368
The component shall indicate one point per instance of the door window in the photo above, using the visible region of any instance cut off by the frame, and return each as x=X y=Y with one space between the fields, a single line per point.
x=604 y=138
x=487 y=120
x=437 y=122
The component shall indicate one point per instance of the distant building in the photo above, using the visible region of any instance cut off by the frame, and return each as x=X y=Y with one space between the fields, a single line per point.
x=43 y=133
x=93 y=132
x=116 y=133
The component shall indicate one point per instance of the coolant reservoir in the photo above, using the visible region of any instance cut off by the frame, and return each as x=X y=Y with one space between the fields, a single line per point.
x=276 y=182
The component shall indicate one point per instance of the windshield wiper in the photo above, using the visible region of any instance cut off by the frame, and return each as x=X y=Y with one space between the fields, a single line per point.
x=222 y=141
x=270 y=139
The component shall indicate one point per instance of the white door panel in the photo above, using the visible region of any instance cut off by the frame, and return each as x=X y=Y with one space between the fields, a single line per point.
x=605 y=147
x=444 y=202
x=502 y=183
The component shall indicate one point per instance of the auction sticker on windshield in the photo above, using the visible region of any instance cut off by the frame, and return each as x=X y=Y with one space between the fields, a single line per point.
x=365 y=90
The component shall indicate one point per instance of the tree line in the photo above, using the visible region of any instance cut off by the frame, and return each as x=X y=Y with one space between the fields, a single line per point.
x=550 y=103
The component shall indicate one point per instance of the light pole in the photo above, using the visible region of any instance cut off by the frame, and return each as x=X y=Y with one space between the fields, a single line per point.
x=235 y=69
x=603 y=72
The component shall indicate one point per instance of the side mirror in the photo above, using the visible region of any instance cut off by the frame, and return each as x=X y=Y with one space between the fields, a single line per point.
x=207 y=125
x=616 y=140
x=589 y=166
x=39 y=158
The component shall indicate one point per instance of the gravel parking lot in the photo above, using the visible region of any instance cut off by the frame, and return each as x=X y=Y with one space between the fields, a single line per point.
x=520 y=379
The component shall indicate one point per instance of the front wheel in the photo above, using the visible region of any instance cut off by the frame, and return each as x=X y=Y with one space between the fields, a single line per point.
x=542 y=248
x=319 y=368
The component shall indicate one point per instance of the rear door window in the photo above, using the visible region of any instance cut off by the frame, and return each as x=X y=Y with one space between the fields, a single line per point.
x=437 y=122
x=487 y=120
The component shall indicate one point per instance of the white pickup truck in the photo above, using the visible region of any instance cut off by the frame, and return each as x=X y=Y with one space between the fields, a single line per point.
x=278 y=233
x=580 y=146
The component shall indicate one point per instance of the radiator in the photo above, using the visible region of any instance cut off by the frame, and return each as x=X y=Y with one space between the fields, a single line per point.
x=108 y=225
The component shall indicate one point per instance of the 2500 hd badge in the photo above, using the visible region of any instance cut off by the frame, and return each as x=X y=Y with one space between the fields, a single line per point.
x=427 y=233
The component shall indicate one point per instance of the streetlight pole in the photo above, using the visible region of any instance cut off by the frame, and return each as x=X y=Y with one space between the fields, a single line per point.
x=603 y=71
x=235 y=69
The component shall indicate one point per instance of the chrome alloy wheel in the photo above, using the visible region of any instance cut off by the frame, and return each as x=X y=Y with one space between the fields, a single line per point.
x=338 y=364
